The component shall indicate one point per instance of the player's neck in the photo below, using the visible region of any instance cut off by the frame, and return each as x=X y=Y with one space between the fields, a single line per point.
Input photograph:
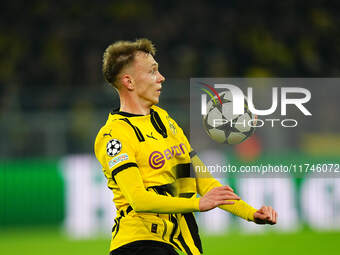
x=134 y=106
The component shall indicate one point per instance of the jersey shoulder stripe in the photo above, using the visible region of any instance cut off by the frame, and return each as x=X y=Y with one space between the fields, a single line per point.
x=121 y=168
x=115 y=145
x=116 y=128
x=138 y=133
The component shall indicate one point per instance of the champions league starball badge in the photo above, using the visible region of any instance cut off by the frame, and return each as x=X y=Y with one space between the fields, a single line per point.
x=113 y=147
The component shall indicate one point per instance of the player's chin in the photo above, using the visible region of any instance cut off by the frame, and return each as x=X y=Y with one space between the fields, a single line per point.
x=155 y=99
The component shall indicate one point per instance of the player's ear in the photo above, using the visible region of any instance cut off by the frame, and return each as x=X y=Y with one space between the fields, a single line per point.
x=127 y=81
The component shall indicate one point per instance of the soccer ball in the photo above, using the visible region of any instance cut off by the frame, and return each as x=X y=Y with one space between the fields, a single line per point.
x=222 y=125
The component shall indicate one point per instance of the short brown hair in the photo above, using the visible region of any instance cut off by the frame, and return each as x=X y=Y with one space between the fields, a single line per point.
x=122 y=53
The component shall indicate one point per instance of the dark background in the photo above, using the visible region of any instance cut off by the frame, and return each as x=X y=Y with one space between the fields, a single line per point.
x=59 y=43
x=53 y=100
x=51 y=53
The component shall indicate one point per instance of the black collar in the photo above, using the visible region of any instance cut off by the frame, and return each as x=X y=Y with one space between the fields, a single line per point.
x=128 y=114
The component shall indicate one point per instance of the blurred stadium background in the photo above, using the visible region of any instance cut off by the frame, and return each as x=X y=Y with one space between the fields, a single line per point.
x=53 y=100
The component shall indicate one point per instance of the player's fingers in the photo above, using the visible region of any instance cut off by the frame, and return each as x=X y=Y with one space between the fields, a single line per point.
x=229 y=188
x=230 y=194
x=262 y=210
x=275 y=217
x=266 y=212
x=220 y=197
x=224 y=189
x=216 y=191
x=259 y=218
x=270 y=213
x=263 y=213
x=226 y=197
x=221 y=188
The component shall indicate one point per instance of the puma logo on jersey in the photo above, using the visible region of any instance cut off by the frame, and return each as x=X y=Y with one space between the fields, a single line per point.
x=157 y=159
x=151 y=136
x=107 y=134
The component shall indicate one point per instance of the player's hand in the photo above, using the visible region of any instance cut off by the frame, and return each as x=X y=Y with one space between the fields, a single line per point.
x=217 y=196
x=265 y=215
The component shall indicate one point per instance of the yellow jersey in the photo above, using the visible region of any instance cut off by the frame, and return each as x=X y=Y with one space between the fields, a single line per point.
x=147 y=161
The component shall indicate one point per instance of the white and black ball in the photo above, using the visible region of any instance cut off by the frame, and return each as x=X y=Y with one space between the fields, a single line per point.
x=222 y=125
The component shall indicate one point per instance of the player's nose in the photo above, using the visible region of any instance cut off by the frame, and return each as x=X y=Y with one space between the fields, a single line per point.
x=161 y=78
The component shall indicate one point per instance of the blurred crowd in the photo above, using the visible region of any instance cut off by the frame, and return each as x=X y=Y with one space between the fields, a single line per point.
x=58 y=43
x=51 y=52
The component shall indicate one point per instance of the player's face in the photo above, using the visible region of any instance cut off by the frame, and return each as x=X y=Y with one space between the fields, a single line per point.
x=147 y=79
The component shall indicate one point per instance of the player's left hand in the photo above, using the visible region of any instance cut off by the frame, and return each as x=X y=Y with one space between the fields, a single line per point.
x=265 y=215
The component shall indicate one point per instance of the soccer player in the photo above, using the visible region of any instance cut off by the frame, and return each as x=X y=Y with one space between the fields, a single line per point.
x=147 y=161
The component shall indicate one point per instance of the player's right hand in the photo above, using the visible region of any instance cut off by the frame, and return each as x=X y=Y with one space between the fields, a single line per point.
x=216 y=197
x=265 y=215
